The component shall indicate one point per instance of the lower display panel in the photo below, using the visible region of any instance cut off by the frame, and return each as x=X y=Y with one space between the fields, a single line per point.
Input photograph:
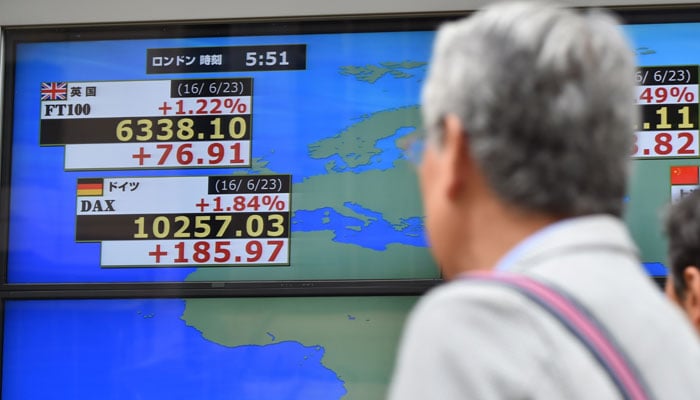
x=205 y=348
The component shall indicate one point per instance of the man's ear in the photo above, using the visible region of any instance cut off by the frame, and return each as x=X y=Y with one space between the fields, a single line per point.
x=691 y=300
x=456 y=154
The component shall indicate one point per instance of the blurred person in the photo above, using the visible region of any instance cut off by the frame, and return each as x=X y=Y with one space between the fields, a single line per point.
x=683 y=231
x=528 y=114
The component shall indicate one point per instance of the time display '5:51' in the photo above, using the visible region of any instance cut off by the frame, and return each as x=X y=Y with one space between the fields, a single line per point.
x=267 y=58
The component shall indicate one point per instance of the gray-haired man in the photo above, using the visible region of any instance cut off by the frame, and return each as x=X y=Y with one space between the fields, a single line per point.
x=529 y=114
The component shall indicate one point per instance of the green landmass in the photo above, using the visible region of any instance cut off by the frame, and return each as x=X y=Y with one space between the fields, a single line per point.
x=649 y=192
x=400 y=74
x=371 y=73
x=368 y=73
x=404 y=64
x=643 y=51
x=356 y=145
x=259 y=166
x=398 y=201
x=360 y=334
x=315 y=255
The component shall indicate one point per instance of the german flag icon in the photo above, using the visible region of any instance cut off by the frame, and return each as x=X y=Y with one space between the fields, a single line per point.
x=90 y=186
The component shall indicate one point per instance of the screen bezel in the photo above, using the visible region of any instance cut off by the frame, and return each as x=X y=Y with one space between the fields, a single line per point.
x=14 y=36
x=259 y=26
x=233 y=27
x=326 y=24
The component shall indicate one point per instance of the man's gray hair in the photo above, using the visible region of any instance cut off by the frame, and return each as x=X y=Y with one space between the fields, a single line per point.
x=546 y=96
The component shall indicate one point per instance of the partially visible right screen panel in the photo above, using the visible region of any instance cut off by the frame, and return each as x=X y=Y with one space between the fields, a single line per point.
x=666 y=139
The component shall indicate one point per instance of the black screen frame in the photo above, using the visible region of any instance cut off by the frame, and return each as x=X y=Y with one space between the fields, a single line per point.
x=234 y=27
x=16 y=35
x=272 y=26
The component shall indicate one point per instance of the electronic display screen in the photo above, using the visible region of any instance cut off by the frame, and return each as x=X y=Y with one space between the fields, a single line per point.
x=275 y=154
x=221 y=158
x=666 y=141
x=210 y=348
x=266 y=157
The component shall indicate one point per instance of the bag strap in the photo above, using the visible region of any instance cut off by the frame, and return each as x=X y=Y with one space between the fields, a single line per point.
x=582 y=324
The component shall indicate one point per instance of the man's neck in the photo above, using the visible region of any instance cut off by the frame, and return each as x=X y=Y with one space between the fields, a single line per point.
x=496 y=228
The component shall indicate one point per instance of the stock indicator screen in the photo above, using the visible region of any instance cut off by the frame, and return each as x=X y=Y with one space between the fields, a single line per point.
x=246 y=152
x=666 y=143
x=266 y=156
x=215 y=158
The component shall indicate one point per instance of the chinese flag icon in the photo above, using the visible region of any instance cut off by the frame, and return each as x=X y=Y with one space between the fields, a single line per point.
x=684 y=175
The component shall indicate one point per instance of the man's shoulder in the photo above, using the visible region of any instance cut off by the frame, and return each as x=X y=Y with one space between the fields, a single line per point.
x=491 y=332
x=467 y=303
x=502 y=320
x=498 y=322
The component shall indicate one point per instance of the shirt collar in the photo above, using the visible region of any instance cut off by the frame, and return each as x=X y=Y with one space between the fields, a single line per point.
x=517 y=252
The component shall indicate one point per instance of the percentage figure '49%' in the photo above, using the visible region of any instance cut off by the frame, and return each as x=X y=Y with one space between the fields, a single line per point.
x=670 y=94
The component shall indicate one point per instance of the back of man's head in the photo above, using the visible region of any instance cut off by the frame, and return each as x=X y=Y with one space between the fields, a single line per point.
x=545 y=96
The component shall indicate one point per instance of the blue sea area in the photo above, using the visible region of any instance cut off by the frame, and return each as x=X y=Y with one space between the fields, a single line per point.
x=665 y=44
x=655 y=269
x=142 y=349
x=373 y=231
